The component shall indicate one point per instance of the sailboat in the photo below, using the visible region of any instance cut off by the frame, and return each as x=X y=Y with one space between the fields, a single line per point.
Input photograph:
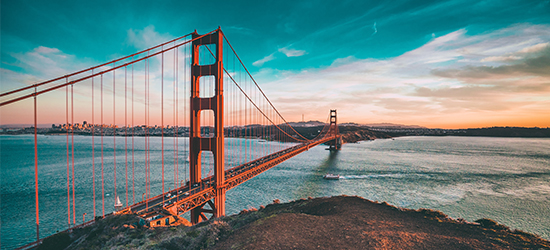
x=118 y=204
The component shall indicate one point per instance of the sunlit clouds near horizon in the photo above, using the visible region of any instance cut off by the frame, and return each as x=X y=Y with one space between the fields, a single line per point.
x=500 y=78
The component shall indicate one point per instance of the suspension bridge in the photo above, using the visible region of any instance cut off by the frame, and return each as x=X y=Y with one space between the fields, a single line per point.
x=167 y=130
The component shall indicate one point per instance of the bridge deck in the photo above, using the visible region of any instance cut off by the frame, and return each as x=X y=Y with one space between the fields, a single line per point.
x=181 y=200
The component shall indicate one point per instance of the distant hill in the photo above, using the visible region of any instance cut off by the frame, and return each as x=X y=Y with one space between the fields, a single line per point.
x=25 y=125
x=391 y=125
x=381 y=125
x=488 y=132
x=350 y=134
x=507 y=132
x=307 y=124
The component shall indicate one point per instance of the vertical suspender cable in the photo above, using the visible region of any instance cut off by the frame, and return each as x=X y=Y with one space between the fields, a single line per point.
x=147 y=132
x=246 y=128
x=254 y=144
x=241 y=116
x=148 y=122
x=102 y=165
x=36 y=169
x=229 y=124
x=145 y=121
x=126 y=129
x=114 y=131
x=93 y=145
x=236 y=123
x=162 y=119
x=146 y=125
x=250 y=116
x=133 y=186
x=175 y=129
x=72 y=148
x=68 y=162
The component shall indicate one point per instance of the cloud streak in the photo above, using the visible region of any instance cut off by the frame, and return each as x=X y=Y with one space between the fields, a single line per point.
x=147 y=37
x=39 y=64
x=287 y=51
x=261 y=62
x=374 y=29
x=292 y=52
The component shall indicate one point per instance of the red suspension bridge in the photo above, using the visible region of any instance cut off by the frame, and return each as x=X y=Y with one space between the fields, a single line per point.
x=217 y=130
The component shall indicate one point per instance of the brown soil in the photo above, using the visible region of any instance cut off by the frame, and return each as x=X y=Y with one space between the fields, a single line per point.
x=355 y=223
x=323 y=223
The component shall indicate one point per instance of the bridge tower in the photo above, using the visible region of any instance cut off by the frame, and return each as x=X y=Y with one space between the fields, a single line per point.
x=335 y=144
x=197 y=143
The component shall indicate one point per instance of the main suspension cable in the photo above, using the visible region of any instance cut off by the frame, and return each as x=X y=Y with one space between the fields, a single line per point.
x=258 y=86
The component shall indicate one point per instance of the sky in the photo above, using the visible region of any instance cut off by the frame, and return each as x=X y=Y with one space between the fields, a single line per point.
x=438 y=64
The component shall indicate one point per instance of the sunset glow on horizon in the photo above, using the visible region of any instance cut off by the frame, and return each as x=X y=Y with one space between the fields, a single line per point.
x=452 y=64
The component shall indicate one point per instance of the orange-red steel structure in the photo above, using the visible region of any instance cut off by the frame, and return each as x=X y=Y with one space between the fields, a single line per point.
x=188 y=198
x=261 y=137
x=337 y=143
x=197 y=143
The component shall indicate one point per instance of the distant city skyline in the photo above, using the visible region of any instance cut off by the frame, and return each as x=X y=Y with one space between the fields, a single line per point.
x=437 y=64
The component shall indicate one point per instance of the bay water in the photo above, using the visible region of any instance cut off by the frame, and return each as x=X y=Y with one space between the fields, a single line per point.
x=504 y=179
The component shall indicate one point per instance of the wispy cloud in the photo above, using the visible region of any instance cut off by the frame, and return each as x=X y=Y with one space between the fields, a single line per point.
x=521 y=54
x=292 y=52
x=261 y=62
x=146 y=37
x=38 y=64
x=500 y=58
x=535 y=48
x=287 y=51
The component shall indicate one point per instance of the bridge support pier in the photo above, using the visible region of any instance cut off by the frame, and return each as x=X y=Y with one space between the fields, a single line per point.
x=197 y=143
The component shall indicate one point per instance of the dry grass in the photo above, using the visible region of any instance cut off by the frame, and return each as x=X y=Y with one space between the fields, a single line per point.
x=323 y=223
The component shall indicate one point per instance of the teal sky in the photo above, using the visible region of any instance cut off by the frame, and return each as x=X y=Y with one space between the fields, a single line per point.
x=409 y=62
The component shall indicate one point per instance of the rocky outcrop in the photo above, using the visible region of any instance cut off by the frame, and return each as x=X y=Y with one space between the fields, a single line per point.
x=342 y=222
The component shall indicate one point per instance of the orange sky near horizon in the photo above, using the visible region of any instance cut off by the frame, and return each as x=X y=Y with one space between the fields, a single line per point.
x=53 y=111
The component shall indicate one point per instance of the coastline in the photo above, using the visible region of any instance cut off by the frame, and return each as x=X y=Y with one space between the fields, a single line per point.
x=339 y=222
x=350 y=133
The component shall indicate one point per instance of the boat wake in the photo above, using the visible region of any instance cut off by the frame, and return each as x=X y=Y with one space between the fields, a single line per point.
x=373 y=176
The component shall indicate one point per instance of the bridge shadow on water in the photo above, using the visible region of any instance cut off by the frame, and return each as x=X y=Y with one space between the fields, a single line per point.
x=314 y=184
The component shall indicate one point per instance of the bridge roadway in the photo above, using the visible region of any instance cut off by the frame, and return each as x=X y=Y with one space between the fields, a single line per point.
x=181 y=200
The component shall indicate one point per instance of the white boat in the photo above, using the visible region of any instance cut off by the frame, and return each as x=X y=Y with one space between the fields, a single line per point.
x=331 y=176
x=118 y=204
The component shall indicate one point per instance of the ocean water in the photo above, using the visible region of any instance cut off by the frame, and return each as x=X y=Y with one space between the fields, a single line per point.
x=505 y=179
